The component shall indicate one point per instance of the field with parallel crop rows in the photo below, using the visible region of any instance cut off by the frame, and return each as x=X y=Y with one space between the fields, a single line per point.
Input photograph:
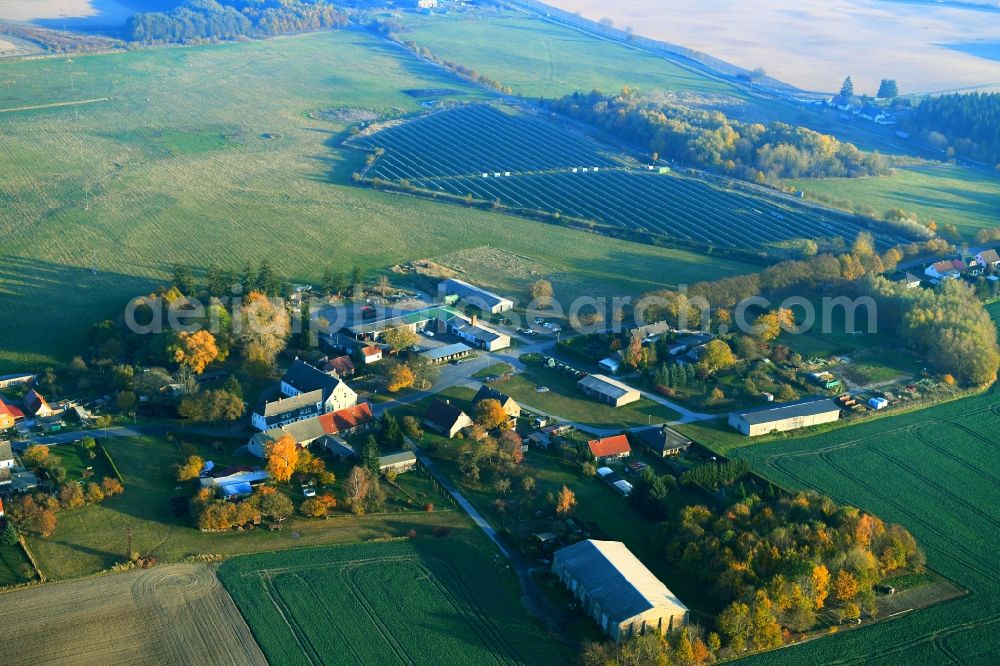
x=526 y=162
x=402 y=602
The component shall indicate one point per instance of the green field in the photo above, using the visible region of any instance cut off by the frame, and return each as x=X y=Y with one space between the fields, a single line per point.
x=14 y=566
x=488 y=154
x=209 y=154
x=91 y=539
x=949 y=195
x=540 y=59
x=423 y=601
x=934 y=471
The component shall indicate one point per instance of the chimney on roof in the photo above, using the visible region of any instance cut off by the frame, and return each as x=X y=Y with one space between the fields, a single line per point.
x=473 y=320
x=447 y=401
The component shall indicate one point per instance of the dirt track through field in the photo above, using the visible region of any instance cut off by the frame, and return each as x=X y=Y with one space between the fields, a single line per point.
x=55 y=105
x=175 y=614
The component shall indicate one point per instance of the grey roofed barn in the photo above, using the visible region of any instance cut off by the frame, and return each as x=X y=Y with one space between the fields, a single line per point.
x=805 y=407
x=615 y=579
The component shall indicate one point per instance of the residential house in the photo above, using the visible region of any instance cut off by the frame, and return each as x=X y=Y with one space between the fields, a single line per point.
x=905 y=278
x=371 y=354
x=662 y=440
x=446 y=418
x=342 y=366
x=785 y=416
x=304 y=378
x=950 y=269
x=9 y=415
x=607 y=390
x=988 y=259
x=18 y=379
x=341 y=423
x=281 y=412
x=37 y=406
x=486 y=301
x=649 y=331
x=610 y=448
x=617 y=590
x=6 y=455
x=399 y=462
x=507 y=403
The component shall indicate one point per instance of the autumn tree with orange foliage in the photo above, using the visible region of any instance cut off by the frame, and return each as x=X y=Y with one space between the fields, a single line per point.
x=398 y=376
x=489 y=414
x=318 y=507
x=282 y=458
x=195 y=350
x=565 y=502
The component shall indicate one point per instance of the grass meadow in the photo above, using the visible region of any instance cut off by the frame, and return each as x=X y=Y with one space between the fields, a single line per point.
x=209 y=153
x=422 y=601
x=934 y=471
x=947 y=194
x=539 y=59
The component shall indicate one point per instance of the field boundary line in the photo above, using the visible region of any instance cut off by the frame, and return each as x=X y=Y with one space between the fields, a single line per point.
x=56 y=105
x=31 y=557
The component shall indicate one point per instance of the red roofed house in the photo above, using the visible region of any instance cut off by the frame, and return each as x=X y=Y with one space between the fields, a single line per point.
x=347 y=421
x=371 y=354
x=36 y=404
x=610 y=448
x=9 y=415
x=342 y=365
x=946 y=270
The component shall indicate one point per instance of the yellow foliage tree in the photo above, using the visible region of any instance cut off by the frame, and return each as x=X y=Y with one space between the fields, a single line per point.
x=190 y=469
x=282 y=456
x=398 y=377
x=565 y=502
x=820 y=583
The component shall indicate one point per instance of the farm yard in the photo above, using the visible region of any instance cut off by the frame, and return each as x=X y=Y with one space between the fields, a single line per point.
x=178 y=155
x=484 y=154
x=420 y=601
x=935 y=472
x=176 y=614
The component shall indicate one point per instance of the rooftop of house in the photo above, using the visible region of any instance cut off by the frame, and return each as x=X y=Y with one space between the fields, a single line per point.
x=346 y=419
x=609 y=446
x=286 y=405
x=489 y=393
x=305 y=377
x=443 y=414
x=662 y=438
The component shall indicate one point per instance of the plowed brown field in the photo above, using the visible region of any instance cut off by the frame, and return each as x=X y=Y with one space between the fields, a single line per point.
x=175 y=614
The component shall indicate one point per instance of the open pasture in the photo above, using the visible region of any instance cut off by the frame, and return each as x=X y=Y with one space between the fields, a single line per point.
x=401 y=602
x=484 y=153
x=955 y=195
x=189 y=150
x=934 y=471
x=176 y=614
